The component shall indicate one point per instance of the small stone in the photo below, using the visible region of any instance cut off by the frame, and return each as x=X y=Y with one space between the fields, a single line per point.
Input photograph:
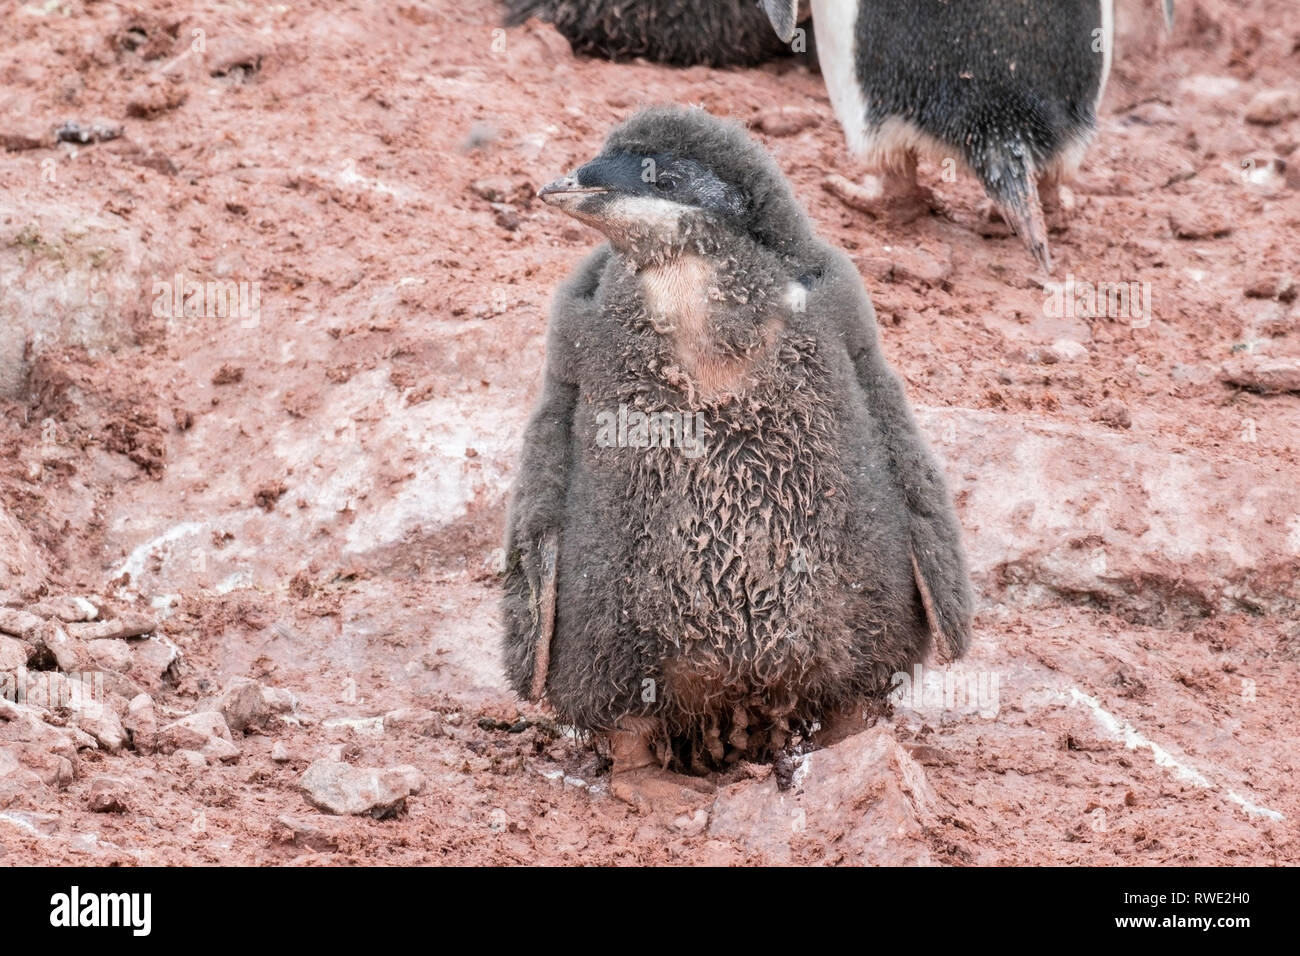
x=280 y=752
x=67 y=608
x=1196 y=222
x=1269 y=107
x=17 y=142
x=1191 y=374
x=70 y=654
x=692 y=825
x=503 y=189
x=47 y=751
x=15 y=779
x=154 y=97
x=108 y=795
x=1263 y=373
x=506 y=215
x=308 y=835
x=1205 y=86
x=1151 y=114
x=21 y=624
x=130 y=624
x=100 y=720
x=193 y=732
x=190 y=758
x=243 y=704
x=44 y=635
x=424 y=723
x=875 y=267
x=343 y=789
x=219 y=750
x=621 y=97
x=1113 y=413
x=61 y=772
x=142 y=723
x=870 y=766
x=362 y=726
x=928 y=755
x=921 y=265
x=153 y=658
x=110 y=655
x=279 y=700
x=14 y=653
x=83 y=607
x=229 y=374
x=786 y=120
x=1272 y=285
x=1065 y=350
x=236 y=55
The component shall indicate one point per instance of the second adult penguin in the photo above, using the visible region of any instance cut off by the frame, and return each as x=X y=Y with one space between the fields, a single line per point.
x=1008 y=88
x=677 y=32
x=726 y=524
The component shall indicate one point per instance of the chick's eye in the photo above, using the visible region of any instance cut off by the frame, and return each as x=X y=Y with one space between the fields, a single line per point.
x=665 y=183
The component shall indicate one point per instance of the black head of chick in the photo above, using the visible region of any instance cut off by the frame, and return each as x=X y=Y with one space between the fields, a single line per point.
x=671 y=180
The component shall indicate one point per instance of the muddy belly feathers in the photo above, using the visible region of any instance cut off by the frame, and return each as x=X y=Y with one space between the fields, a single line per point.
x=747 y=527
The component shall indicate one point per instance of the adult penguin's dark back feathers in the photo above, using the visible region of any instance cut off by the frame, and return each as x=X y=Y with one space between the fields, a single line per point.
x=677 y=32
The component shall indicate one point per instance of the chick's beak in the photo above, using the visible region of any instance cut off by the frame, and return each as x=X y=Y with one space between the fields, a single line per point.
x=566 y=191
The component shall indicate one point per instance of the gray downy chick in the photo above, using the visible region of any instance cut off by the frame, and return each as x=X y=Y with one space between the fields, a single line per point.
x=725 y=524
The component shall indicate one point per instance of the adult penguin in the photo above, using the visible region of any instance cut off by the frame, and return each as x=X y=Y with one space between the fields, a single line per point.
x=1007 y=89
x=677 y=32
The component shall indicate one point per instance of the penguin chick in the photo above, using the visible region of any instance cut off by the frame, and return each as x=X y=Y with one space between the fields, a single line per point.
x=677 y=32
x=725 y=525
x=1006 y=88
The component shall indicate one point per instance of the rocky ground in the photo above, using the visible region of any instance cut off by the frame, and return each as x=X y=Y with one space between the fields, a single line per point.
x=247 y=555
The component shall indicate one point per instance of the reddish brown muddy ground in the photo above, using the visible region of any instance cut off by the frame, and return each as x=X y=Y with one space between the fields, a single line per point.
x=308 y=494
